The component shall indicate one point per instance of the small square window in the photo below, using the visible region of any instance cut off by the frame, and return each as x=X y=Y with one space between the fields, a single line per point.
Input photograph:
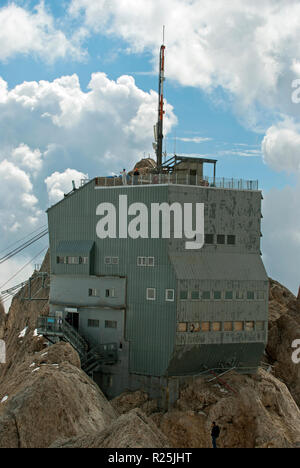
x=228 y=326
x=239 y=295
x=60 y=259
x=205 y=295
x=250 y=295
x=115 y=260
x=182 y=327
x=238 y=326
x=170 y=295
x=195 y=295
x=228 y=295
x=194 y=327
x=231 y=240
x=73 y=260
x=209 y=238
x=111 y=324
x=93 y=292
x=151 y=294
x=260 y=326
x=220 y=239
x=249 y=326
x=151 y=261
x=183 y=295
x=205 y=326
x=217 y=295
x=216 y=326
x=107 y=260
x=93 y=323
x=83 y=260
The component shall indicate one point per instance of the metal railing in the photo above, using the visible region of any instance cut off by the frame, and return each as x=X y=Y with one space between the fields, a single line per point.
x=176 y=178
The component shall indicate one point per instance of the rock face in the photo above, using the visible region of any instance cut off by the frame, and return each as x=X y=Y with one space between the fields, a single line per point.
x=50 y=397
x=284 y=328
x=131 y=430
x=261 y=413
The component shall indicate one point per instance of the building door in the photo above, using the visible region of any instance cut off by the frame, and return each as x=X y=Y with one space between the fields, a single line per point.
x=193 y=176
x=73 y=319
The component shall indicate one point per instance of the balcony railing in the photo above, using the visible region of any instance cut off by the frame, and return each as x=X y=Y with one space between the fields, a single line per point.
x=179 y=179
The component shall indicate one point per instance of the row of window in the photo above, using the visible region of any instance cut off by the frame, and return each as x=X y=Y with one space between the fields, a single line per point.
x=145 y=261
x=195 y=327
x=92 y=323
x=219 y=295
x=96 y=292
x=151 y=294
x=111 y=260
x=220 y=239
x=72 y=260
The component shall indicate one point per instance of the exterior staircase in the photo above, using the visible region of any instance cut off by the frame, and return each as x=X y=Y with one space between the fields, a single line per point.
x=56 y=329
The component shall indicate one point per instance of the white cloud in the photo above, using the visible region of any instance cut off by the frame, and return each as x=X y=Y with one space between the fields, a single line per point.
x=23 y=156
x=26 y=32
x=193 y=139
x=281 y=147
x=250 y=49
x=60 y=183
x=18 y=205
x=56 y=125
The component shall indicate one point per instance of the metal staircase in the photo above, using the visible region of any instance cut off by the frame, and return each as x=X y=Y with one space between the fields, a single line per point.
x=56 y=329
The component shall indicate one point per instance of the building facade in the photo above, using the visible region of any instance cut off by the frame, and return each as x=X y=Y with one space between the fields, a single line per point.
x=173 y=312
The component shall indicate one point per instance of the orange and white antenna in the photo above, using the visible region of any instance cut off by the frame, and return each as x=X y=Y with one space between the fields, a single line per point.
x=159 y=126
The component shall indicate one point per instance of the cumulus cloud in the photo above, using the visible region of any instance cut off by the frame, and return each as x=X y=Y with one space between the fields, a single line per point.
x=281 y=147
x=18 y=205
x=57 y=125
x=26 y=32
x=60 y=183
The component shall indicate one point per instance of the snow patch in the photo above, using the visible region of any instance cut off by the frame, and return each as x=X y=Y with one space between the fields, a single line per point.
x=4 y=399
x=23 y=333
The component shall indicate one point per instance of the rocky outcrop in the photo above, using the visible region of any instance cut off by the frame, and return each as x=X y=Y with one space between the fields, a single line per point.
x=259 y=413
x=131 y=430
x=284 y=328
x=50 y=397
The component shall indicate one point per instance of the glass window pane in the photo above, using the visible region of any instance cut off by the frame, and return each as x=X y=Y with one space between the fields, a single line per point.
x=220 y=239
x=183 y=294
x=260 y=326
x=216 y=326
x=249 y=326
x=217 y=295
x=250 y=295
x=205 y=295
x=239 y=326
x=231 y=240
x=229 y=295
x=195 y=295
x=209 y=238
x=228 y=326
x=205 y=326
x=182 y=327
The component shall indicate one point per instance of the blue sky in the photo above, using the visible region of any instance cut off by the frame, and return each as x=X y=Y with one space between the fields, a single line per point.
x=229 y=71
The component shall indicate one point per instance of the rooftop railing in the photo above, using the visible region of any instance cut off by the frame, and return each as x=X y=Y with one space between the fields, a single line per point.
x=177 y=178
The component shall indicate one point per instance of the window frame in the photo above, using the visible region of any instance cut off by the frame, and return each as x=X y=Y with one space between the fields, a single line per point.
x=173 y=295
x=147 y=294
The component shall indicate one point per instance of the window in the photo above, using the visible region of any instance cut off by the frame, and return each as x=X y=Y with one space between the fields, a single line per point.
x=217 y=295
x=250 y=295
x=182 y=327
x=228 y=326
x=93 y=323
x=194 y=327
x=73 y=260
x=260 y=326
x=205 y=326
x=249 y=326
x=111 y=324
x=93 y=292
x=220 y=239
x=209 y=238
x=183 y=295
x=261 y=295
x=115 y=260
x=238 y=326
x=216 y=326
x=239 y=295
x=110 y=293
x=145 y=261
x=231 y=240
x=60 y=259
x=170 y=295
x=107 y=260
x=151 y=294
x=84 y=260
x=228 y=295
x=195 y=295
x=206 y=295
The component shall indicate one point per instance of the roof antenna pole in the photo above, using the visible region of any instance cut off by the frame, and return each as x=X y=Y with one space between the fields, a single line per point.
x=159 y=125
